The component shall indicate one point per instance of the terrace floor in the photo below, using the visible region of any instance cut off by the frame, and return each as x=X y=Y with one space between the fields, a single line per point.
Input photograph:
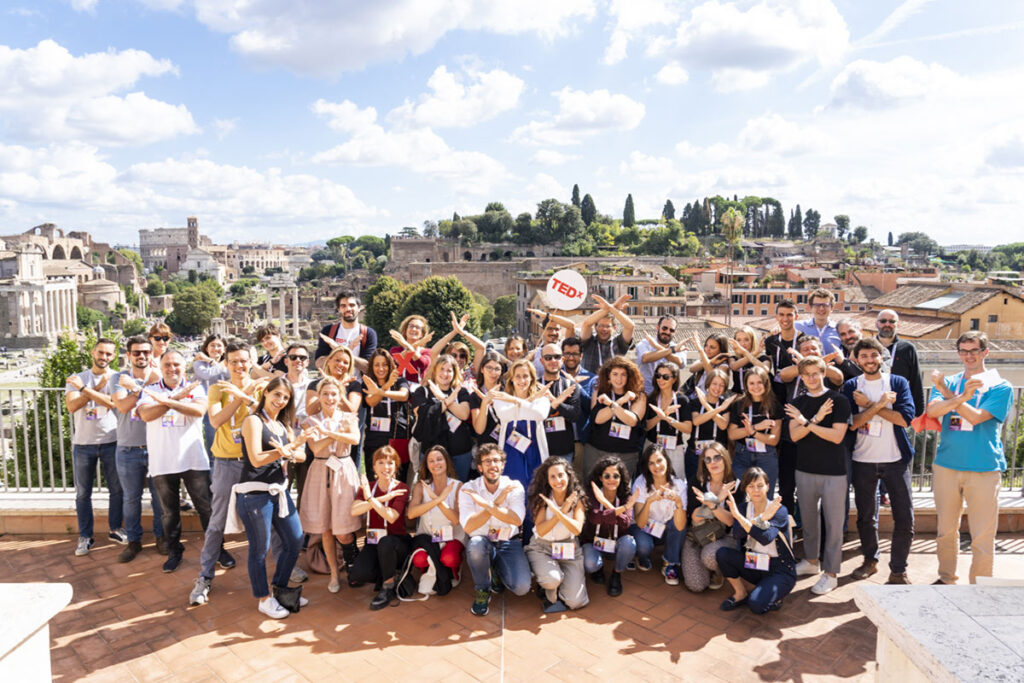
x=131 y=622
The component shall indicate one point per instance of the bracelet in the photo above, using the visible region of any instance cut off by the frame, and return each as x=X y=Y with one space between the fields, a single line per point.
x=759 y=522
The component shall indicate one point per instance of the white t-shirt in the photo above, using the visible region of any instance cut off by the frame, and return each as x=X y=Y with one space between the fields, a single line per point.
x=876 y=440
x=350 y=338
x=174 y=440
x=515 y=502
x=559 y=532
x=661 y=510
x=434 y=520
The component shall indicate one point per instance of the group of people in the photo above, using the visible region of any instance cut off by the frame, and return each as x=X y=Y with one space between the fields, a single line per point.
x=568 y=463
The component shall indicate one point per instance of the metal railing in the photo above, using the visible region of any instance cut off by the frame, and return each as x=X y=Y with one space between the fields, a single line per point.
x=35 y=444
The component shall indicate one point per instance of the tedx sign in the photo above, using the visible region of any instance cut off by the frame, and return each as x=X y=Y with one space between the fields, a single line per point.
x=566 y=290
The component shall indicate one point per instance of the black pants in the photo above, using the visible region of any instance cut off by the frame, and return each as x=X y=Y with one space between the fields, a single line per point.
x=380 y=562
x=787 y=475
x=197 y=483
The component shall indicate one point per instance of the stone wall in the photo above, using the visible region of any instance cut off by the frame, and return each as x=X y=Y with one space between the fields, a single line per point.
x=492 y=279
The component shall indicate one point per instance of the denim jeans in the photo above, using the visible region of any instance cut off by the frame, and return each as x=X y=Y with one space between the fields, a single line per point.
x=508 y=558
x=132 y=470
x=85 y=459
x=768 y=461
x=896 y=477
x=625 y=551
x=168 y=486
x=259 y=513
x=462 y=463
x=672 y=538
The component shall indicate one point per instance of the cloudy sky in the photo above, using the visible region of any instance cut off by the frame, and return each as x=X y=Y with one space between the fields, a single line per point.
x=294 y=120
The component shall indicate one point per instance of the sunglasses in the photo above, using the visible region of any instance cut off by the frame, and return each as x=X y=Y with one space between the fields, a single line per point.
x=708 y=459
x=886 y=321
x=552 y=356
x=161 y=338
x=297 y=357
x=661 y=376
x=142 y=353
x=615 y=475
x=463 y=356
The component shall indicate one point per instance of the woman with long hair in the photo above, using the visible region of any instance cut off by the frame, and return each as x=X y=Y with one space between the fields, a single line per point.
x=332 y=479
x=762 y=531
x=387 y=542
x=659 y=513
x=208 y=364
x=388 y=421
x=710 y=418
x=716 y=482
x=557 y=504
x=339 y=364
x=515 y=348
x=748 y=353
x=712 y=354
x=755 y=428
x=261 y=496
x=481 y=403
x=668 y=416
x=521 y=410
x=439 y=538
x=617 y=407
x=412 y=353
x=606 y=531
x=441 y=406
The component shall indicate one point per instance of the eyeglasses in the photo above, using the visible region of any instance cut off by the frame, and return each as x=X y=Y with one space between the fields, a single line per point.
x=662 y=376
x=142 y=353
x=821 y=305
x=887 y=321
x=708 y=459
x=571 y=354
x=161 y=338
x=969 y=352
x=613 y=475
x=492 y=461
x=552 y=356
x=298 y=357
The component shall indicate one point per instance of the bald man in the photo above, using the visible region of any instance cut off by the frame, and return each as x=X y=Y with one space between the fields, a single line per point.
x=903 y=355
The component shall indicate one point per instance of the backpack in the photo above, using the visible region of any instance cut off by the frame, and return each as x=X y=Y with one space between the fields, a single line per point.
x=362 y=333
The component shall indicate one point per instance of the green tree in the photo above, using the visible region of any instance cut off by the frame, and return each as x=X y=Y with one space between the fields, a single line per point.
x=842 y=225
x=628 y=215
x=240 y=287
x=193 y=276
x=134 y=257
x=920 y=242
x=796 y=224
x=88 y=317
x=588 y=211
x=134 y=327
x=371 y=243
x=890 y=238
x=669 y=212
x=523 y=228
x=505 y=313
x=381 y=303
x=484 y=312
x=860 y=233
x=193 y=309
x=155 y=286
x=812 y=221
x=409 y=231
x=434 y=298
x=549 y=214
x=576 y=196
x=496 y=224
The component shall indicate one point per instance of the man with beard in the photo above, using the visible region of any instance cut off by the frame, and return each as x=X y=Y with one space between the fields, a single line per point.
x=600 y=342
x=882 y=408
x=87 y=396
x=902 y=355
x=571 y=369
x=491 y=509
x=552 y=327
x=565 y=404
x=650 y=352
x=362 y=340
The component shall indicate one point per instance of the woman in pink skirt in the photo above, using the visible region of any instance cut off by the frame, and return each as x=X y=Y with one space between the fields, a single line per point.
x=333 y=479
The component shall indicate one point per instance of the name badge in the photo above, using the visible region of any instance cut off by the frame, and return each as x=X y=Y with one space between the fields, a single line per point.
x=656 y=529
x=518 y=442
x=495 y=433
x=499 y=534
x=758 y=561
x=872 y=428
x=563 y=551
x=755 y=446
x=668 y=441
x=373 y=536
x=172 y=419
x=383 y=424
x=619 y=430
x=554 y=424
x=333 y=463
x=133 y=415
x=445 y=533
x=604 y=545
x=702 y=444
x=95 y=412
x=236 y=434
x=453 y=422
x=957 y=423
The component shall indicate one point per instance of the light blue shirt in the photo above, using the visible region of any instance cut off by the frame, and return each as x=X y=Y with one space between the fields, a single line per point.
x=828 y=335
x=981 y=448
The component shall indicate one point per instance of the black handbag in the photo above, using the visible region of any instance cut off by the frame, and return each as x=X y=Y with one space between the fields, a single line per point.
x=288 y=597
x=708 y=532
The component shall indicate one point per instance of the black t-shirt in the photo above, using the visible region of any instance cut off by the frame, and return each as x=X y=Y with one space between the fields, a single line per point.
x=709 y=431
x=279 y=365
x=615 y=436
x=663 y=427
x=434 y=426
x=378 y=432
x=558 y=427
x=815 y=455
x=740 y=376
x=490 y=434
x=755 y=411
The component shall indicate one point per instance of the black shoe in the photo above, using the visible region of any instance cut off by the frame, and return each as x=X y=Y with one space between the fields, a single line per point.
x=615 y=585
x=173 y=560
x=496 y=585
x=161 y=545
x=384 y=598
x=227 y=560
x=481 y=602
x=130 y=551
x=597 y=576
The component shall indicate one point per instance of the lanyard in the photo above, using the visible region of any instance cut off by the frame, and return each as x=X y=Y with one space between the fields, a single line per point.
x=373 y=492
x=675 y=412
x=615 y=524
x=714 y=425
x=778 y=349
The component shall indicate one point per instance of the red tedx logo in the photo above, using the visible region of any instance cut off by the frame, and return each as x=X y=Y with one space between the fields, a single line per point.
x=566 y=289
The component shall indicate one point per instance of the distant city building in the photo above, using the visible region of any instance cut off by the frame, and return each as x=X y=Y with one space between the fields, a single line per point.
x=957 y=248
x=34 y=309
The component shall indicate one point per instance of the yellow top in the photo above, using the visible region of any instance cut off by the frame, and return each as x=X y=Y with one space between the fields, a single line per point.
x=227 y=442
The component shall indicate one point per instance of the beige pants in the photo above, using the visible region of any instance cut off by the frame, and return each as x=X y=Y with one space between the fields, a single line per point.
x=980 y=490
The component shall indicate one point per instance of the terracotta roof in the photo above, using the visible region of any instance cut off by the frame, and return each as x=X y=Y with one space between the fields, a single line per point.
x=911 y=296
x=816 y=274
x=911 y=325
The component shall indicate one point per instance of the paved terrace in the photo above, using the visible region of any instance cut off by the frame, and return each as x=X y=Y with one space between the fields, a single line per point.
x=130 y=622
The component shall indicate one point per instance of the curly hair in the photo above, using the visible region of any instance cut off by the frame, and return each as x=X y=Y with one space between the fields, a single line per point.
x=634 y=380
x=539 y=485
x=622 y=492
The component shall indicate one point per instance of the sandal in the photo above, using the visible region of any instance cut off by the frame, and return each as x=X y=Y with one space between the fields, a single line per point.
x=731 y=603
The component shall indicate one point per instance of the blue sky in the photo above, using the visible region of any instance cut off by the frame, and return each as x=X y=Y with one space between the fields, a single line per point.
x=294 y=120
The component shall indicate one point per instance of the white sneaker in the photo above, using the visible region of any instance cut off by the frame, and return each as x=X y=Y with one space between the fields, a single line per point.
x=298 y=575
x=805 y=568
x=303 y=601
x=84 y=545
x=826 y=584
x=272 y=608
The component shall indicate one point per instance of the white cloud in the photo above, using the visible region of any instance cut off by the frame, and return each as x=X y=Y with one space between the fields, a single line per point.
x=580 y=115
x=83 y=5
x=672 y=73
x=549 y=157
x=896 y=18
x=420 y=150
x=775 y=134
x=51 y=95
x=868 y=84
x=1007 y=153
x=457 y=101
x=544 y=186
x=329 y=38
x=225 y=127
x=752 y=42
x=631 y=18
